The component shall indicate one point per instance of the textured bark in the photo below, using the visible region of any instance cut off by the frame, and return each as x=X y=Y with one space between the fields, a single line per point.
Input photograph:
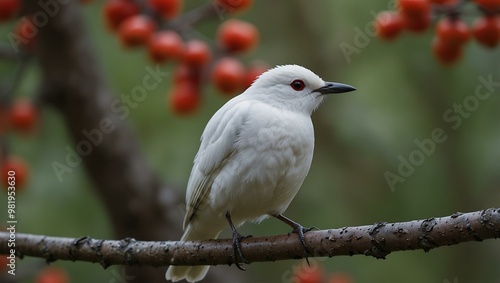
x=377 y=240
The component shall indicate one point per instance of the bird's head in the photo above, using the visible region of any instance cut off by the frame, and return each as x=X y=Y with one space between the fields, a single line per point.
x=293 y=87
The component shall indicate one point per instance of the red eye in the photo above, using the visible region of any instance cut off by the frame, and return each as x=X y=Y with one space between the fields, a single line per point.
x=298 y=85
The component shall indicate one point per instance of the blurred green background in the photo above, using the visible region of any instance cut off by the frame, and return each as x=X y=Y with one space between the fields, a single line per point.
x=402 y=95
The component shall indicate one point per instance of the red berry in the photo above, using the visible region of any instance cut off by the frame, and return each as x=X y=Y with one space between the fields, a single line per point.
x=228 y=75
x=185 y=74
x=136 y=31
x=416 y=14
x=417 y=24
x=388 y=25
x=196 y=53
x=446 y=53
x=23 y=116
x=52 y=275
x=184 y=99
x=452 y=31
x=167 y=8
x=164 y=46
x=308 y=274
x=116 y=11
x=414 y=8
x=9 y=9
x=255 y=70
x=26 y=33
x=486 y=31
x=233 y=5
x=237 y=36
x=14 y=173
x=490 y=5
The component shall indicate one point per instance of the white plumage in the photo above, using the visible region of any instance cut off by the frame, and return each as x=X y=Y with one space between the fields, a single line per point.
x=254 y=155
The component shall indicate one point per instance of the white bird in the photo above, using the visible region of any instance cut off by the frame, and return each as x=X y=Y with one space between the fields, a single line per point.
x=254 y=155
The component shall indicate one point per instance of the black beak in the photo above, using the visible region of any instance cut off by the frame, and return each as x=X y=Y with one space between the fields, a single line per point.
x=334 y=88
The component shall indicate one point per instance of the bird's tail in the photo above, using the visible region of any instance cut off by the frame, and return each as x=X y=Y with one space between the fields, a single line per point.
x=191 y=273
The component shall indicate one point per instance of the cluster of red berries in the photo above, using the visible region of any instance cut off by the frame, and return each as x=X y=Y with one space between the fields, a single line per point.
x=21 y=117
x=139 y=26
x=451 y=33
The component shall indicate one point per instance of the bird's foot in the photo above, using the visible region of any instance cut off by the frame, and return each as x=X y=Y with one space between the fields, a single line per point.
x=300 y=231
x=237 y=254
x=237 y=237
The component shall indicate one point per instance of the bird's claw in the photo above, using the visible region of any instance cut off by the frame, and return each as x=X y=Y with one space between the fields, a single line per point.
x=237 y=237
x=299 y=230
x=237 y=250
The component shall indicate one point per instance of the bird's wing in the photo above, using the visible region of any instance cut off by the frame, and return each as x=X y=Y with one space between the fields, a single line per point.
x=217 y=145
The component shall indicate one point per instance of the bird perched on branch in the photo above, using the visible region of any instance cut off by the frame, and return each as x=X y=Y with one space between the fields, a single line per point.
x=254 y=156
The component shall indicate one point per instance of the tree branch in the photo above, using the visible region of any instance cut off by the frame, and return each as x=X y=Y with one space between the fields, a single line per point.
x=377 y=240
